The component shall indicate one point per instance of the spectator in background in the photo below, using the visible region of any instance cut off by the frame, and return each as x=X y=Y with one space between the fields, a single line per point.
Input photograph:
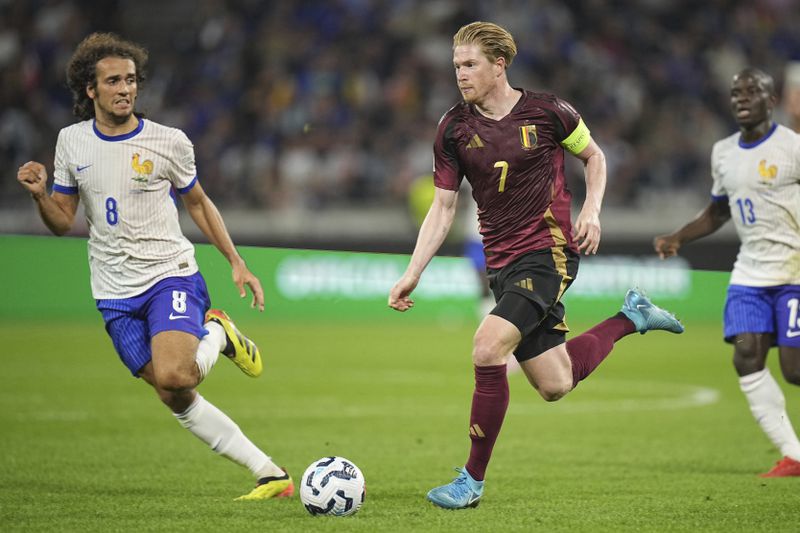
x=791 y=95
x=251 y=78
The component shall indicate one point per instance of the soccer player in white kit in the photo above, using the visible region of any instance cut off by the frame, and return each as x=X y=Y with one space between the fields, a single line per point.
x=144 y=277
x=756 y=182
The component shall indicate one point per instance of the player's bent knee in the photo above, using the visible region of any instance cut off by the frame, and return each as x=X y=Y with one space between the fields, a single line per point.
x=488 y=349
x=746 y=360
x=747 y=365
x=554 y=391
x=177 y=401
x=744 y=350
x=488 y=353
x=175 y=381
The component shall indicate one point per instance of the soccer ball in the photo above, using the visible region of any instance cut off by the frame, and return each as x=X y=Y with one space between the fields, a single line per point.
x=332 y=486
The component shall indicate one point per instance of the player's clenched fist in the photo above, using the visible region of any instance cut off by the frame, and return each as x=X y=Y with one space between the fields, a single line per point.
x=666 y=246
x=33 y=177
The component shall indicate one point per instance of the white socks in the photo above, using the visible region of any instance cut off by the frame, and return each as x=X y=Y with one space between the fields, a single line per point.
x=209 y=348
x=768 y=406
x=216 y=429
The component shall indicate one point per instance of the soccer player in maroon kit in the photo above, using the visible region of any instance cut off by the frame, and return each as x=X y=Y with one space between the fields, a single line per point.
x=510 y=143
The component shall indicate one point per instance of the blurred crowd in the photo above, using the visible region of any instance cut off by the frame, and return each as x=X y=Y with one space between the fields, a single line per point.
x=331 y=103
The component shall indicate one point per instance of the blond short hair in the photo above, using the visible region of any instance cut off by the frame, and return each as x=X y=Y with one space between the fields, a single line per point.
x=494 y=40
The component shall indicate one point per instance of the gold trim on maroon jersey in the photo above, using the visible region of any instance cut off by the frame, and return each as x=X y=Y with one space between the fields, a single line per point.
x=528 y=136
x=555 y=229
x=560 y=262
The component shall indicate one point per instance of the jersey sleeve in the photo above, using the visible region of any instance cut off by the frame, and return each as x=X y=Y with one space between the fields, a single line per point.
x=718 y=191
x=183 y=173
x=446 y=170
x=576 y=134
x=63 y=180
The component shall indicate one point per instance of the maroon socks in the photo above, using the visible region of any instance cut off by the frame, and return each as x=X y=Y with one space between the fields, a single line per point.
x=489 y=404
x=589 y=349
x=490 y=399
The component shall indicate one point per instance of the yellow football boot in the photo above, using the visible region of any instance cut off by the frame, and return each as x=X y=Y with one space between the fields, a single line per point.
x=238 y=348
x=270 y=487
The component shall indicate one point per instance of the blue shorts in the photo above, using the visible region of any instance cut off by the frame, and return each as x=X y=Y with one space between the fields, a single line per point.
x=473 y=250
x=774 y=310
x=172 y=304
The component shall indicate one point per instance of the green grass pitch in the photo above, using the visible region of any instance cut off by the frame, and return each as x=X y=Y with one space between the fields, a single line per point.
x=658 y=439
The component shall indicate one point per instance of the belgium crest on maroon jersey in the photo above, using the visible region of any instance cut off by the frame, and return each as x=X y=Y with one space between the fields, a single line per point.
x=528 y=137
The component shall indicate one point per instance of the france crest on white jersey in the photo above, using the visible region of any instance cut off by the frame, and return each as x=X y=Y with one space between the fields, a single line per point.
x=762 y=183
x=125 y=184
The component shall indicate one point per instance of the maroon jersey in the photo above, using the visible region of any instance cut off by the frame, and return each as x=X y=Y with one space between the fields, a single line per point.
x=516 y=168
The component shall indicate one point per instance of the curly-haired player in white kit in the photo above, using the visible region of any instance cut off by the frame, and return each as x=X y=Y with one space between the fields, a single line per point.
x=144 y=277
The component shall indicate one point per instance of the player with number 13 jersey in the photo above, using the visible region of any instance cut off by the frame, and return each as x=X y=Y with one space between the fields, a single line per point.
x=756 y=182
x=760 y=180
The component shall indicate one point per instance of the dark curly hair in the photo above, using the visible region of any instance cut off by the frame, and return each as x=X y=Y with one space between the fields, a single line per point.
x=81 y=69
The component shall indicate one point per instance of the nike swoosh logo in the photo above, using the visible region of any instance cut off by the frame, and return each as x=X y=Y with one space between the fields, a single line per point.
x=84 y=167
x=640 y=306
x=473 y=499
x=792 y=334
x=176 y=317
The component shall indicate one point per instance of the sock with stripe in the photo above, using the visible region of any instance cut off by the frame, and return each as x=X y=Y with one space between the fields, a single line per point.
x=489 y=405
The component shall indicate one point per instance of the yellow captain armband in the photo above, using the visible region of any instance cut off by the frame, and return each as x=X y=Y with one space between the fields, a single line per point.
x=578 y=139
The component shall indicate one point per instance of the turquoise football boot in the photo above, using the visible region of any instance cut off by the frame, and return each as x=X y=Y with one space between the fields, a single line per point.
x=647 y=316
x=460 y=493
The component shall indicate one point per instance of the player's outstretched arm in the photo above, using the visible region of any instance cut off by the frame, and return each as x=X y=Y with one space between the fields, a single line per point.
x=432 y=233
x=57 y=210
x=709 y=220
x=206 y=215
x=587 y=226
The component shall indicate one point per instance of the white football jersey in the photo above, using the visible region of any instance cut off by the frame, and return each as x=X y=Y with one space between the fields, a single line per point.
x=125 y=183
x=762 y=183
